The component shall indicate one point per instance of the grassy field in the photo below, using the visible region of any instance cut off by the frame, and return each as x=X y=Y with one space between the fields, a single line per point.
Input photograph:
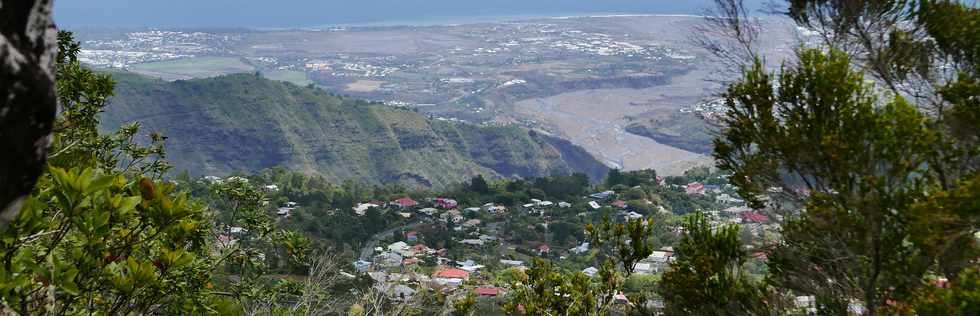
x=364 y=85
x=202 y=67
x=295 y=77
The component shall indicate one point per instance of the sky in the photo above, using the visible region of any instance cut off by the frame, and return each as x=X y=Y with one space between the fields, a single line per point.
x=307 y=13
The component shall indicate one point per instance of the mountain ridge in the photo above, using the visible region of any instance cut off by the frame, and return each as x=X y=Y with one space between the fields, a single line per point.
x=246 y=123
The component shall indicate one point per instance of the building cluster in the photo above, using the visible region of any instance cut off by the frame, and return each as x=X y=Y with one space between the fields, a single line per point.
x=150 y=46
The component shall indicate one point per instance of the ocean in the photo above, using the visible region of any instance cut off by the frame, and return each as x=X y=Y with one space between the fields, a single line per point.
x=316 y=13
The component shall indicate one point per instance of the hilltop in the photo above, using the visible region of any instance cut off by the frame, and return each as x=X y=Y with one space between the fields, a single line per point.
x=245 y=123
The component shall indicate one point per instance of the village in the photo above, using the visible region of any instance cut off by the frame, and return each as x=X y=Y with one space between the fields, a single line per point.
x=434 y=243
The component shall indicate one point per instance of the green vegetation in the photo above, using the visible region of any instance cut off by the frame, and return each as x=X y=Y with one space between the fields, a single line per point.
x=708 y=277
x=876 y=198
x=247 y=123
x=295 y=77
x=200 y=67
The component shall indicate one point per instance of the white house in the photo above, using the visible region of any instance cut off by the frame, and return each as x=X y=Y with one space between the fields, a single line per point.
x=472 y=242
x=401 y=248
x=590 y=271
x=583 y=248
x=362 y=208
x=643 y=268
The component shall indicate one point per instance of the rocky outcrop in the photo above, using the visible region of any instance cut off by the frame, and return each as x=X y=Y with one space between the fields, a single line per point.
x=28 y=103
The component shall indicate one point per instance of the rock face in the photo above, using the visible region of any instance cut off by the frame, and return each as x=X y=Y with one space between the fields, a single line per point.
x=28 y=103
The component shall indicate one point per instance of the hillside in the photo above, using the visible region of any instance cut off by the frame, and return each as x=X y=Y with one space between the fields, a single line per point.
x=681 y=130
x=246 y=123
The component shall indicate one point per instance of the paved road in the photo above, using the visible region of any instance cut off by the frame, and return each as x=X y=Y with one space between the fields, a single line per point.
x=368 y=249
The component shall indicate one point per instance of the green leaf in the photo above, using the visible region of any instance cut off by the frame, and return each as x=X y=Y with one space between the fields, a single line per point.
x=129 y=203
x=100 y=184
x=61 y=177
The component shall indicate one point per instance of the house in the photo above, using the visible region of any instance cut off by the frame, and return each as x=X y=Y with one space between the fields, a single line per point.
x=564 y=204
x=546 y=204
x=421 y=248
x=271 y=188
x=361 y=265
x=602 y=195
x=428 y=211
x=737 y=210
x=662 y=181
x=389 y=259
x=497 y=209
x=807 y=303
x=713 y=188
x=726 y=198
x=472 y=209
x=405 y=202
x=583 y=248
x=401 y=248
x=543 y=249
x=378 y=276
x=590 y=271
x=472 y=223
x=452 y=216
x=472 y=242
x=412 y=236
x=619 y=203
x=237 y=230
x=450 y=276
x=487 y=291
x=405 y=215
x=411 y=261
x=528 y=205
x=284 y=211
x=470 y=266
x=453 y=273
x=446 y=204
x=362 y=208
x=292 y=204
x=661 y=256
x=225 y=241
x=644 y=268
x=754 y=217
x=633 y=215
x=621 y=299
x=694 y=188
x=594 y=205
x=513 y=263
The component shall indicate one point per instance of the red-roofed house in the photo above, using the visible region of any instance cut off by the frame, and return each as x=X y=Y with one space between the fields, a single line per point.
x=446 y=204
x=451 y=273
x=695 y=188
x=543 y=249
x=754 y=217
x=412 y=236
x=487 y=291
x=406 y=202
x=420 y=248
